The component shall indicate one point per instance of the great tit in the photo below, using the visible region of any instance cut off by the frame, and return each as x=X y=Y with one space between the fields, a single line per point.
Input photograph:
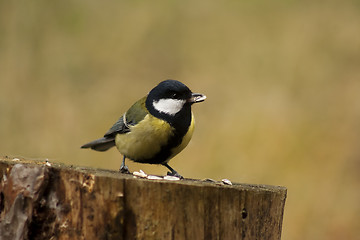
x=155 y=128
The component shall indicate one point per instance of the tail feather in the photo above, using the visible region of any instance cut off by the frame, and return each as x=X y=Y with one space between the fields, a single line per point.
x=101 y=144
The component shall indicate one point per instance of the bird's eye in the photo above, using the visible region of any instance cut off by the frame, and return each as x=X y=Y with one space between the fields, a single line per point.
x=174 y=95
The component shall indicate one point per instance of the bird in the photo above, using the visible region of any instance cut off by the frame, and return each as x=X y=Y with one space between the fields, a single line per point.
x=155 y=128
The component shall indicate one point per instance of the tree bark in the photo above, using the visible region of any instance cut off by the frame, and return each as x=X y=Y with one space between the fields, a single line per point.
x=39 y=200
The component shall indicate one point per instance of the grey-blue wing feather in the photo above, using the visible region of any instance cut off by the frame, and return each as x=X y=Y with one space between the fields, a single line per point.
x=101 y=144
x=118 y=127
x=135 y=114
x=108 y=141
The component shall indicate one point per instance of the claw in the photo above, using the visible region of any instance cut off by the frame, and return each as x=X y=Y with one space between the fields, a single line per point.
x=175 y=174
x=124 y=169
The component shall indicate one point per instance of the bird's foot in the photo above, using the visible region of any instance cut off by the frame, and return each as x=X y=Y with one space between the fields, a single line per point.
x=175 y=174
x=124 y=169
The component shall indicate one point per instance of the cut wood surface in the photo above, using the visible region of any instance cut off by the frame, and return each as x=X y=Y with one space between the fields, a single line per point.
x=42 y=200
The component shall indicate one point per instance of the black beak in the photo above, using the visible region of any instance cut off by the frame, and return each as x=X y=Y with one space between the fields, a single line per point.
x=196 y=97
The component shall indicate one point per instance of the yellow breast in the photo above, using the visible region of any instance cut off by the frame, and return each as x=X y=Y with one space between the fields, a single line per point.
x=147 y=138
x=144 y=139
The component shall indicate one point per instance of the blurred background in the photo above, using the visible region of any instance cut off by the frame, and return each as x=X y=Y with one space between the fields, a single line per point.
x=282 y=80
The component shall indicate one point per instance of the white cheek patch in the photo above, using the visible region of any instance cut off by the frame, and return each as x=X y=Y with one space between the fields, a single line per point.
x=169 y=106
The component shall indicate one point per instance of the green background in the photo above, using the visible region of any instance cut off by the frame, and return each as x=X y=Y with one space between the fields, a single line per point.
x=282 y=80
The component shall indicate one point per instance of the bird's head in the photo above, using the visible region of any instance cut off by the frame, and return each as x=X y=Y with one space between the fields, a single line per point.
x=171 y=97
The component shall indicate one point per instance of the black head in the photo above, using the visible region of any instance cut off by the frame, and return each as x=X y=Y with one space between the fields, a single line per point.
x=170 y=89
x=170 y=97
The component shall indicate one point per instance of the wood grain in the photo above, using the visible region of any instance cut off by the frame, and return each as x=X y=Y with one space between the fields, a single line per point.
x=39 y=200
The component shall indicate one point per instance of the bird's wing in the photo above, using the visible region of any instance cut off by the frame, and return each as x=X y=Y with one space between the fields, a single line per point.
x=135 y=114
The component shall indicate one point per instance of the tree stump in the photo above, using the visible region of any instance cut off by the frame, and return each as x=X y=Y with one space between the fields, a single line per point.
x=42 y=200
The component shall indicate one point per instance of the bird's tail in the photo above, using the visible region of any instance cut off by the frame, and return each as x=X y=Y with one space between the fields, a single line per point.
x=101 y=144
